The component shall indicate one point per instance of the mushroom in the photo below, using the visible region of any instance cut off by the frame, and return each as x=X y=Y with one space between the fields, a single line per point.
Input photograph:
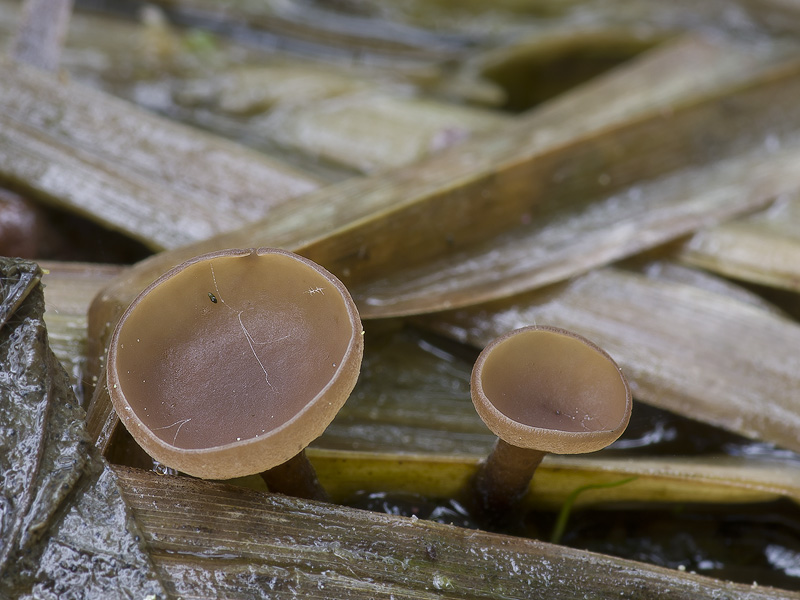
x=542 y=390
x=233 y=362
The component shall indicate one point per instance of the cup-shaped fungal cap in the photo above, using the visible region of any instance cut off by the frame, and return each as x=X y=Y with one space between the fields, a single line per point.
x=551 y=390
x=231 y=363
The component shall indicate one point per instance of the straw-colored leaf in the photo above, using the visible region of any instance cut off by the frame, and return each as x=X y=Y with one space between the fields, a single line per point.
x=157 y=181
x=763 y=248
x=259 y=88
x=370 y=132
x=674 y=479
x=212 y=540
x=69 y=289
x=568 y=243
x=320 y=29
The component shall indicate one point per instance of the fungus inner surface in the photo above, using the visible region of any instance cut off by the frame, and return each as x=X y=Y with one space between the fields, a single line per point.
x=231 y=347
x=553 y=381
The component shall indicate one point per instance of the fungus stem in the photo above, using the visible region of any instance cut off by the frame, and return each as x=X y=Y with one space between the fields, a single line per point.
x=296 y=477
x=504 y=477
x=566 y=508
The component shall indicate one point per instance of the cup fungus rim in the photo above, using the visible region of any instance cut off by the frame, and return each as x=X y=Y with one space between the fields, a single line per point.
x=541 y=438
x=185 y=458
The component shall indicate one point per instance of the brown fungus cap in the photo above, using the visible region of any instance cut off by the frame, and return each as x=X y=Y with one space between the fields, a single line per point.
x=552 y=390
x=231 y=363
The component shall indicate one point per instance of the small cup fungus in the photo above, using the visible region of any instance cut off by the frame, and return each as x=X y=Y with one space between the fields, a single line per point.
x=542 y=390
x=233 y=362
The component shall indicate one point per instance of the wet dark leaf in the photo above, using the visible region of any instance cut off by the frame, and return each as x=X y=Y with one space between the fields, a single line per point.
x=64 y=530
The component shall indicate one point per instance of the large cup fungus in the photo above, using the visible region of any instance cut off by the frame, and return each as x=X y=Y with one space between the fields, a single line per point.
x=542 y=390
x=233 y=362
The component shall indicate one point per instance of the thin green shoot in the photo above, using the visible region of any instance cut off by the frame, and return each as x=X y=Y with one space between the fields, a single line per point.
x=566 y=508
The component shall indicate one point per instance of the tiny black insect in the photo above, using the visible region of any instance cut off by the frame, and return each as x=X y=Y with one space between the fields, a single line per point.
x=430 y=550
x=212 y=297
